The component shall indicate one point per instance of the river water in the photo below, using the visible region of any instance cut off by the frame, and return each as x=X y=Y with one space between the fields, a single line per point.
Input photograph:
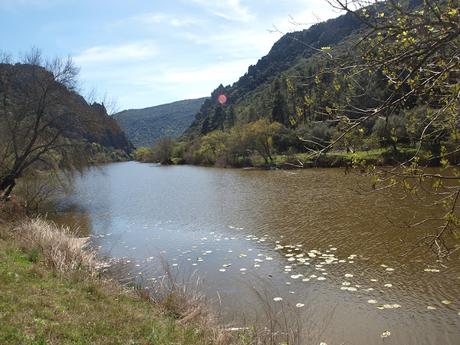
x=314 y=244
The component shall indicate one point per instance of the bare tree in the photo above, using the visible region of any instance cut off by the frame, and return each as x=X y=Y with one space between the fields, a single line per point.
x=32 y=117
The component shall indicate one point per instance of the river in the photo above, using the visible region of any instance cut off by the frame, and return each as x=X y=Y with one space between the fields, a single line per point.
x=316 y=243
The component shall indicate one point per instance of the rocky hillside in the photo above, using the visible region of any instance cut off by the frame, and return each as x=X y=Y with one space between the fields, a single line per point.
x=144 y=126
x=71 y=114
x=264 y=90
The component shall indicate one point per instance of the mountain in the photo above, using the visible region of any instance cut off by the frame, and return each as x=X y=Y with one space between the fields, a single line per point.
x=144 y=126
x=69 y=111
x=264 y=91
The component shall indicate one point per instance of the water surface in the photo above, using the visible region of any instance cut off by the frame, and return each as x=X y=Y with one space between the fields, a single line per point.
x=315 y=238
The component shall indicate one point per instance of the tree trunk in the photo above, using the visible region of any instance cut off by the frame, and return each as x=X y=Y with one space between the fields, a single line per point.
x=7 y=183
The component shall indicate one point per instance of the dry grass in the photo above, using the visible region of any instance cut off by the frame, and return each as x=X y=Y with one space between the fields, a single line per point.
x=184 y=302
x=58 y=246
x=177 y=310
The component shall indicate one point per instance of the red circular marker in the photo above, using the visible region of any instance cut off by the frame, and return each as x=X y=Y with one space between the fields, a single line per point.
x=222 y=99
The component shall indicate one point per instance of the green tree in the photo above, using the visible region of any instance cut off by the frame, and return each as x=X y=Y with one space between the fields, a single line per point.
x=163 y=150
x=258 y=136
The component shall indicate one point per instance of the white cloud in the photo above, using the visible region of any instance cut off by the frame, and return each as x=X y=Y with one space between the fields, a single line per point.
x=225 y=72
x=228 y=9
x=124 y=53
x=315 y=12
x=237 y=43
x=162 y=18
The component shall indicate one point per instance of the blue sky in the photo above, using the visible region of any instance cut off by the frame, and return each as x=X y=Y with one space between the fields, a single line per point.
x=148 y=52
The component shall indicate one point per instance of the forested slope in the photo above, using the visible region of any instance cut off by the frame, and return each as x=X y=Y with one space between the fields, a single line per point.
x=144 y=126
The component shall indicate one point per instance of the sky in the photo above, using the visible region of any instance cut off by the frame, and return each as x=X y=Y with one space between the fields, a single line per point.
x=141 y=53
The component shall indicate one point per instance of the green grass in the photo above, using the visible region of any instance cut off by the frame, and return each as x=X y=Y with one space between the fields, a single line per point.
x=40 y=306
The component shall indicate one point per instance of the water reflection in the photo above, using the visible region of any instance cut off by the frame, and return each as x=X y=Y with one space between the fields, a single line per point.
x=306 y=237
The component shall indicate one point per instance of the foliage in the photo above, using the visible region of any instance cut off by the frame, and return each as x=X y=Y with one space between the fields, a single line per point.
x=142 y=154
x=414 y=48
x=163 y=150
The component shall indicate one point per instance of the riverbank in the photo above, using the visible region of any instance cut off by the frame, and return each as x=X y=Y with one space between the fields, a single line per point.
x=334 y=159
x=52 y=293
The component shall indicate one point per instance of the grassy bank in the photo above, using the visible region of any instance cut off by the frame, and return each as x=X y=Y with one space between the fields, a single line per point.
x=51 y=293
x=338 y=159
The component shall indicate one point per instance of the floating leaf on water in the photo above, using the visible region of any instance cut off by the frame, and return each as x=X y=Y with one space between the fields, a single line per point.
x=385 y=334
x=372 y=301
x=300 y=305
x=278 y=299
x=430 y=307
x=446 y=302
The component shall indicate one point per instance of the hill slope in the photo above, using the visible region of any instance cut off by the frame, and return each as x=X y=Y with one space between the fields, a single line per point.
x=144 y=126
x=263 y=90
x=72 y=114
